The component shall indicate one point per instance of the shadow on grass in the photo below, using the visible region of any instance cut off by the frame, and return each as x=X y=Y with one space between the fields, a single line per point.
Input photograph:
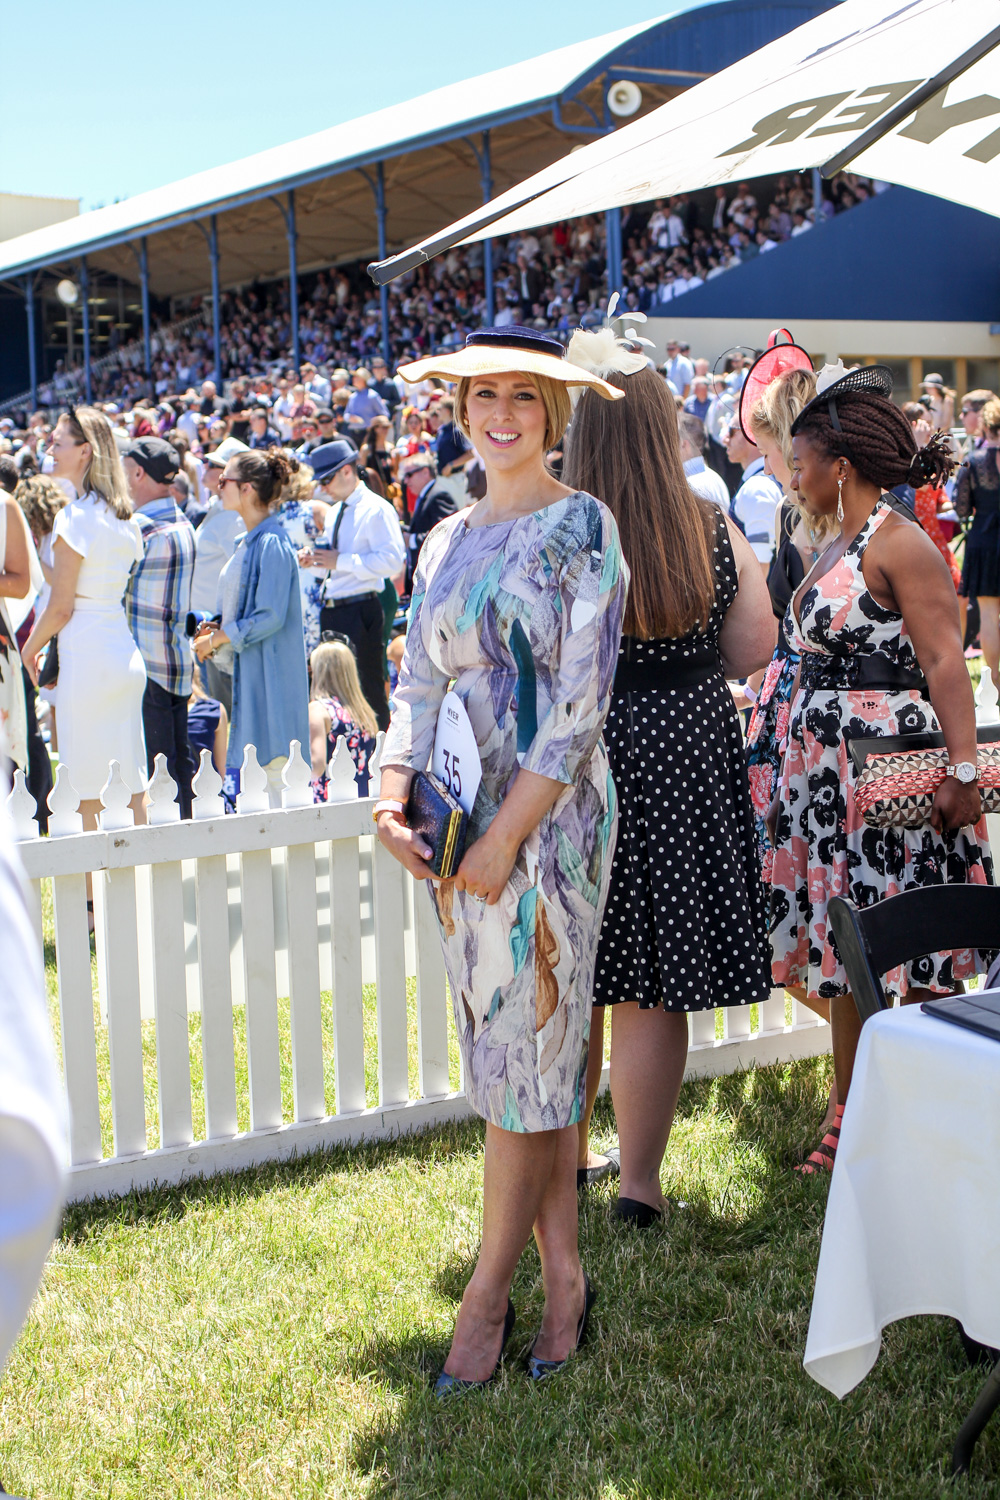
x=691 y=1383
x=149 y=1206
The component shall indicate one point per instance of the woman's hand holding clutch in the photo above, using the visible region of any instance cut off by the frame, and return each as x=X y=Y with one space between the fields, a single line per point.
x=405 y=845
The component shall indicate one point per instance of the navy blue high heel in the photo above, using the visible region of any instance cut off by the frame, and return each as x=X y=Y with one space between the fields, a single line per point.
x=451 y=1385
x=541 y=1369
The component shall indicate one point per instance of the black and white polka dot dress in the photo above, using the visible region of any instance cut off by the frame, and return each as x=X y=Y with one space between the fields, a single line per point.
x=685 y=925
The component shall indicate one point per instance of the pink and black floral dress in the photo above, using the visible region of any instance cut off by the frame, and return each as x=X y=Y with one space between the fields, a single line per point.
x=824 y=848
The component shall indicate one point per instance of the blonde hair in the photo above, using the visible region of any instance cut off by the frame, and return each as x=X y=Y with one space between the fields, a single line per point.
x=990 y=415
x=772 y=415
x=104 y=474
x=41 y=500
x=779 y=404
x=555 y=398
x=300 y=484
x=335 y=675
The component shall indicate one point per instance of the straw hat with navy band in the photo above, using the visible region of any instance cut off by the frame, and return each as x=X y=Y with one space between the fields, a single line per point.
x=507 y=351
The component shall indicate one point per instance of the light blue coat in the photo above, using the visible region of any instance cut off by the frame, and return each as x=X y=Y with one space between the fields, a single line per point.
x=270 y=678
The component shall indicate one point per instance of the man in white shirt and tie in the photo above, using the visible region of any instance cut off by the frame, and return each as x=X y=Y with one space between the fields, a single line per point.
x=362 y=546
x=703 y=480
x=757 y=499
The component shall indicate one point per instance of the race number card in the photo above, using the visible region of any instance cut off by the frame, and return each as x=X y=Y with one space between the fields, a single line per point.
x=456 y=753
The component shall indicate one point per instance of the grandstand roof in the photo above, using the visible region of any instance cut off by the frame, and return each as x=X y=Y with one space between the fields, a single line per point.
x=431 y=172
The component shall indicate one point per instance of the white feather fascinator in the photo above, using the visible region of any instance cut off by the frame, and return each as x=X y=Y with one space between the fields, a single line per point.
x=603 y=352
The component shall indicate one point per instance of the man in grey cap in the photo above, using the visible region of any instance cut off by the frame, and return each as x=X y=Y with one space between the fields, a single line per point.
x=157 y=601
x=362 y=546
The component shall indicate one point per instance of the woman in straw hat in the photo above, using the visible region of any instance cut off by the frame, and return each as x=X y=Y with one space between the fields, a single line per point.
x=519 y=600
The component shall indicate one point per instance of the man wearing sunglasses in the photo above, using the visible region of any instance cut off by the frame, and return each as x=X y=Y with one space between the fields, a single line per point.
x=430 y=501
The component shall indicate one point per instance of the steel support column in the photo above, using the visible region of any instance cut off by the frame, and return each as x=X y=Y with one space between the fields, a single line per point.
x=213 y=255
x=147 y=352
x=383 y=291
x=486 y=178
x=293 y=277
x=817 y=197
x=29 y=307
x=85 y=290
x=613 y=248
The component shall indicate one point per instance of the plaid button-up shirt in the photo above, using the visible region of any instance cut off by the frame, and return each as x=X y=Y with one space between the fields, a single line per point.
x=158 y=595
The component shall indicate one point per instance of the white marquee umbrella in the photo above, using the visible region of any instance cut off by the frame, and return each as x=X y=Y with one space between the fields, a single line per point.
x=905 y=92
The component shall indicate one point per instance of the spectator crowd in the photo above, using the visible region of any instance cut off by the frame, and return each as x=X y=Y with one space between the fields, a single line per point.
x=553 y=279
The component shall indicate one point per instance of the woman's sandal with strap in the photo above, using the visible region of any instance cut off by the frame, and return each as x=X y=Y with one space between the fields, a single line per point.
x=823 y=1158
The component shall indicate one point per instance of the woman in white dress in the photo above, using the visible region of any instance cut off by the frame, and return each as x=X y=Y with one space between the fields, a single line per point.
x=101 y=673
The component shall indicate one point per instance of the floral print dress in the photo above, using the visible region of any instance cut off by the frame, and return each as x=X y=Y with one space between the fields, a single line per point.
x=299 y=525
x=824 y=848
x=525 y=618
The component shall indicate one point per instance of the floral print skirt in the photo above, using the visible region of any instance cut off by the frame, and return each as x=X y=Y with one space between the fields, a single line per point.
x=764 y=743
x=826 y=849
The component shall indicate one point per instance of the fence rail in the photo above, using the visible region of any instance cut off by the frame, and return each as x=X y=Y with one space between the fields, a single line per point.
x=211 y=931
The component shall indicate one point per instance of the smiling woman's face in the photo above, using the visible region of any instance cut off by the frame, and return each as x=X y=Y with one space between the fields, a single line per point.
x=507 y=419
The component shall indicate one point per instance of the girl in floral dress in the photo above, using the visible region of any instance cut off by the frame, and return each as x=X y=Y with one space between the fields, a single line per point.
x=338 y=710
x=876 y=623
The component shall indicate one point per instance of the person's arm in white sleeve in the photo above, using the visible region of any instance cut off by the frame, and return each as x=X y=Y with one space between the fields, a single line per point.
x=33 y=1145
x=382 y=550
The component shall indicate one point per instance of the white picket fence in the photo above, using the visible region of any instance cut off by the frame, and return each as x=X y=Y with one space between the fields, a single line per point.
x=253 y=910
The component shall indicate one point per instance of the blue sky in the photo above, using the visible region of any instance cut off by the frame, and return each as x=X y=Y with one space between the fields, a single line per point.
x=101 y=103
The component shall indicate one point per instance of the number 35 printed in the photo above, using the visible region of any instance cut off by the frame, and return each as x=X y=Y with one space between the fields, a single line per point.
x=452 y=777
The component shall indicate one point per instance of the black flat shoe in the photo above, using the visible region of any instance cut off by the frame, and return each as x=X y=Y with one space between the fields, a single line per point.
x=541 y=1369
x=451 y=1385
x=639 y=1215
x=587 y=1176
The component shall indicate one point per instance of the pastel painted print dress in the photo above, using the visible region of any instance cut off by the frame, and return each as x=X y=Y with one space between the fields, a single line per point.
x=526 y=616
x=824 y=847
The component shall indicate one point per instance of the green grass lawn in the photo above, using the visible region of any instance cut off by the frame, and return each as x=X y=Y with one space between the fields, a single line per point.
x=273 y=1335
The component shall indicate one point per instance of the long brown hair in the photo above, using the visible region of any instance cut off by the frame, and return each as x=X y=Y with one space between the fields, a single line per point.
x=627 y=453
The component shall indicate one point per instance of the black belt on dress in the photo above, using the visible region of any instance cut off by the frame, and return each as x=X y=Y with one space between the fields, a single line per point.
x=666 y=677
x=350 y=599
x=873 y=669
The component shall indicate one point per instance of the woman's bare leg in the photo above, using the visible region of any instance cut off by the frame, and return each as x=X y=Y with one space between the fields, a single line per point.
x=648 y=1055
x=821 y=1008
x=595 y=1067
x=989 y=635
x=523 y=1182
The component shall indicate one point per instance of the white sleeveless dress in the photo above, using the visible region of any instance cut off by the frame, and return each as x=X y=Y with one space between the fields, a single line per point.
x=101 y=673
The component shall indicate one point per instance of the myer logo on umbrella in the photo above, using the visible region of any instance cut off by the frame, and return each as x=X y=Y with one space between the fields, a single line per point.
x=867 y=105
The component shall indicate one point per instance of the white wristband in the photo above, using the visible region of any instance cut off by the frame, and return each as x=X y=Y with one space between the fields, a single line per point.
x=387 y=806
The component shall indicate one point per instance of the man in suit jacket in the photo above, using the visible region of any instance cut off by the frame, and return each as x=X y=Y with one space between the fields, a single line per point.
x=433 y=502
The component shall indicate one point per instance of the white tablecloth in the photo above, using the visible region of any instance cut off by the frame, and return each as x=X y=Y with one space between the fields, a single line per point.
x=913 y=1218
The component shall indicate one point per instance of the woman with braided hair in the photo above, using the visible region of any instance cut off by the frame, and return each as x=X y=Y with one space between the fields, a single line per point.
x=876 y=624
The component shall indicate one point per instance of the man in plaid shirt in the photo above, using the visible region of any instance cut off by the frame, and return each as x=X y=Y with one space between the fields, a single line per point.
x=157 y=601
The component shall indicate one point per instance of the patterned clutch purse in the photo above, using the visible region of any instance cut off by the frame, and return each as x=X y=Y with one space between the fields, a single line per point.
x=897 y=790
x=440 y=820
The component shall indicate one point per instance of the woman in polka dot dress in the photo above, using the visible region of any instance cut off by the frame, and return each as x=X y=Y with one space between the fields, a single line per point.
x=685 y=927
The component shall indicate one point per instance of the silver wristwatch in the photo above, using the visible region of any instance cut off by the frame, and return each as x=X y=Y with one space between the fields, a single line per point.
x=964 y=772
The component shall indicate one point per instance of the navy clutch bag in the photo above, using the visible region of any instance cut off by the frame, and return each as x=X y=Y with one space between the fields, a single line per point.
x=440 y=820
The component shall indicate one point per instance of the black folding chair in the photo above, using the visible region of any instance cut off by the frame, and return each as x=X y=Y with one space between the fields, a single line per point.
x=878 y=938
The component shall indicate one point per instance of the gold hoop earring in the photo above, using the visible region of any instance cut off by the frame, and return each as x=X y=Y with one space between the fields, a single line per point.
x=840 y=498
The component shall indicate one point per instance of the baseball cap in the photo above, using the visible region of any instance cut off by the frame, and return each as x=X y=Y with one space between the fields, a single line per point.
x=329 y=457
x=159 y=458
x=227 y=449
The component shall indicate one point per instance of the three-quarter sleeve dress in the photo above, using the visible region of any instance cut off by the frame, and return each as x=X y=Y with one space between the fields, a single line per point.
x=523 y=619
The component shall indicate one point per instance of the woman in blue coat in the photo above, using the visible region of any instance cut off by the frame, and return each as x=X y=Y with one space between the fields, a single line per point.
x=261 y=616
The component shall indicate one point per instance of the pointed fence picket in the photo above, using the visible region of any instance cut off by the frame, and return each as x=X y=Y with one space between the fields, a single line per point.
x=224 y=912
